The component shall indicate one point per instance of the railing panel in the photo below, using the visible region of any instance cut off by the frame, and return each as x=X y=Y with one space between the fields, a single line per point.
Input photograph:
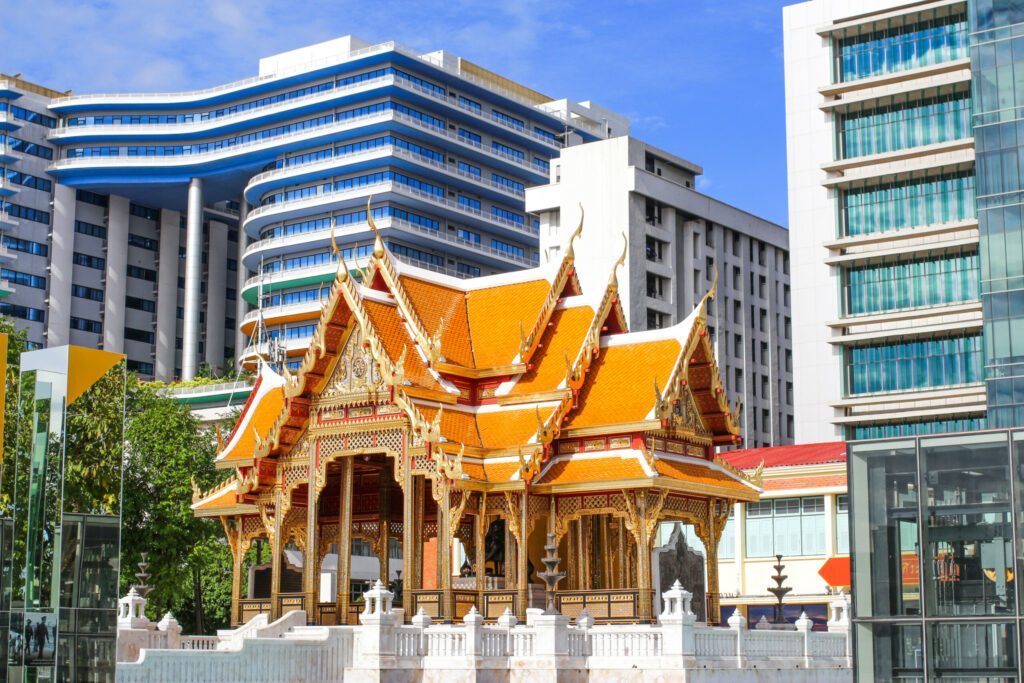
x=605 y=606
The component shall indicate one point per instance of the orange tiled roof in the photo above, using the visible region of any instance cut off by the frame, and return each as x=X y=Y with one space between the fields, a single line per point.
x=510 y=428
x=813 y=482
x=574 y=470
x=259 y=414
x=457 y=426
x=493 y=472
x=395 y=338
x=434 y=302
x=226 y=498
x=620 y=388
x=698 y=474
x=564 y=336
x=495 y=314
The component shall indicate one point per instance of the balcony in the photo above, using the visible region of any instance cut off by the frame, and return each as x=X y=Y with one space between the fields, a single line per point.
x=7 y=153
x=346 y=234
x=7 y=222
x=7 y=188
x=8 y=122
x=263 y=216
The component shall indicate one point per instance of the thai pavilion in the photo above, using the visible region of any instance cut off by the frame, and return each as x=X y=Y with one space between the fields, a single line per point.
x=491 y=411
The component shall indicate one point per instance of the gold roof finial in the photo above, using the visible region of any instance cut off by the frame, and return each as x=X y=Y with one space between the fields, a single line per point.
x=613 y=280
x=378 y=242
x=714 y=284
x=570 y=252
x=342 y=266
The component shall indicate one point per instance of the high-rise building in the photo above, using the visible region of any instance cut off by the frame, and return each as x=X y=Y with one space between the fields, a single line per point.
x=677 y=239
x=148 y=242
x=884 y=229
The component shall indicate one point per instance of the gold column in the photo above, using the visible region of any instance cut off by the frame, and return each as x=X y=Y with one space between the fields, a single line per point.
x=572 y=568
x=581 y=555
x=645 y=605
x=384 y=519
x=276 y=547
x=620 y=532
x=344 y=540
x=444 y=550
x=237 y=563
x=311 y=559
x=480 y=532
x=713 y=534
x=606 y=556
x=419 y=486
x=408 y=538
x=522 y=556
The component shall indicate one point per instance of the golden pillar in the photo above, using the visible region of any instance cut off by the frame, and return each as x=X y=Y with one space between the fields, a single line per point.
x=642 y=533
x=606 y=556
x=276 y=557
x=522 y=556
x=480 y=533
x=237 y=564
x=712 y=534
x=408 y=537
x=620 y=533
x=344 y=541
x=419 y=491
x=444 y=549
x=384 y=517
x=572 y=568
x=311 y=559
x=581 y=554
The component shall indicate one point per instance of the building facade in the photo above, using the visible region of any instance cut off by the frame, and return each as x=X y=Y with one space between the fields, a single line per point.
x=678 y=239
x=884 y=228
x=936 y=547
x=111 y=199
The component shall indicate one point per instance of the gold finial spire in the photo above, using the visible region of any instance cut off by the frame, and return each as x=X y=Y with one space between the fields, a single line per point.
x=342 y=266
x=570 y=252
x=714 y=284
x=378 y=243
x=613 y=280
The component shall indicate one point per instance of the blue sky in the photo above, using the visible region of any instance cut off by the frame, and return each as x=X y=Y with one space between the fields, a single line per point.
x=700 y=78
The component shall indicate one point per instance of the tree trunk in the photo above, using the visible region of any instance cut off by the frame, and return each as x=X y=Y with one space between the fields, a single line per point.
x=197 y=600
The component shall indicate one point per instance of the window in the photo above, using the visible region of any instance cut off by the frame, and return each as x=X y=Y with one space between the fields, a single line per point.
x=469 y=169
x=513 y=185
x=506 y=151
x=547 y=135
x=22 y=279
x=508 y=120
x=470 y=137
x=35 y=149
x=928 y=41
x=140 y=367
x=28 y=115
x=467 y=270
x=142 y=242
x=142 y=273
x=655 y=250
x=23 y=312
x=89 y=261
x=90 y=229
x=737 y=346
x=843 y=525
x=92 y=198
x=469 y=236
x=467 y=103
x=507 y=248
x=144 y=212
x=786 y=526
x=29 y=214
x=656 y=319
x=652 y=210
x=25 y=246
x=916 y=364
x=27 y=180
x=657 y=286
x=86 y=325
x=415 y=254
x=469 y=202
x=144 y=336
x=507 y=216
x=880 y=207
x=140 y=304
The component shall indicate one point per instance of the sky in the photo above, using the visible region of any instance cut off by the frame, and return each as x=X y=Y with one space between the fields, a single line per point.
x=702 y=79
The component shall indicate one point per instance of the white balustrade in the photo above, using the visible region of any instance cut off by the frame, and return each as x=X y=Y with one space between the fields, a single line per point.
x=199 y=642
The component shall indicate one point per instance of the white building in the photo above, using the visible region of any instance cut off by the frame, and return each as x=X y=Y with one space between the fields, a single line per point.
x=884 y=236
x=677 y=237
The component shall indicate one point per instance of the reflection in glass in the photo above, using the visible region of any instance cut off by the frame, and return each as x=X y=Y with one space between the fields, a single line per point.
x=888 y=652
x=886 y=559
x=975 y=651
x=968 y=533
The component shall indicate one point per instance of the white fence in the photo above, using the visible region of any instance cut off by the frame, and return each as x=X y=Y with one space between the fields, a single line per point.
x=287 y=650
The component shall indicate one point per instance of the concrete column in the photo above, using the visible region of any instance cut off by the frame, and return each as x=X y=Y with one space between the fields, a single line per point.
x=241 y=307
x=62 y=248
x=116 y=274
x=167 y=295
x=216 y=293
x=193 y=278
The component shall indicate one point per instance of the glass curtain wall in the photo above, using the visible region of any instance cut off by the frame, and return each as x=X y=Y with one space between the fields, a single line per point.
x=935 y=526
x=901 y=284
x=884 y=48
x=920 y=364
x=62 y=504
x=927 y=200
x=910 y=123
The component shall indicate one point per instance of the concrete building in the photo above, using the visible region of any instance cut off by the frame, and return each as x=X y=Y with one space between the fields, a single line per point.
x=677 y=237
x=110 y=200
x=887 y=276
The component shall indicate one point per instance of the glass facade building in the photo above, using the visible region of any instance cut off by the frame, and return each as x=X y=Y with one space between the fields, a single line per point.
x=60 y=512
x=936 y=539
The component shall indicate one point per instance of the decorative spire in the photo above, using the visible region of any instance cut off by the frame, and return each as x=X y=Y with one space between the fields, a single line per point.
x=570 y=251
x=378 y=243
x=551 y=576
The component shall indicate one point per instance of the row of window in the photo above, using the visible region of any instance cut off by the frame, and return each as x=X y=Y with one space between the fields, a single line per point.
x=27 y=147
x=931 y=40
x=925 y=121
x=909 y=365
x=25 y=246
x=792 y=527
x=881 y=207
x=910 y=284
x=350 y=183
x=28 y=180
x=28 y=115
x=899 y=429
x=25 y=212
x=22 y=312
x=23 y=279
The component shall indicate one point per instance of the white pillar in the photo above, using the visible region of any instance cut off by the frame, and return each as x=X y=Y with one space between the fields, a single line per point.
x=62 y=248
x=241 y=340
x=193 y=277
x=167 y=295
x=830 y=526
x=116 y=281
x=216 y=293
x=739 y=515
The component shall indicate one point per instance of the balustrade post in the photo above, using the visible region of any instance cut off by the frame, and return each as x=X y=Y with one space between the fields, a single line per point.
x=803 y=626
x=552 y=635
x=738 y=623
x=474 y=622
x=677 y=621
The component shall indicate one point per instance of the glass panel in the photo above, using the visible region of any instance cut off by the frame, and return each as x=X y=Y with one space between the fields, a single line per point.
x=885 y=554
x=888 y=652
x=972 y=651
x=968 y=536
